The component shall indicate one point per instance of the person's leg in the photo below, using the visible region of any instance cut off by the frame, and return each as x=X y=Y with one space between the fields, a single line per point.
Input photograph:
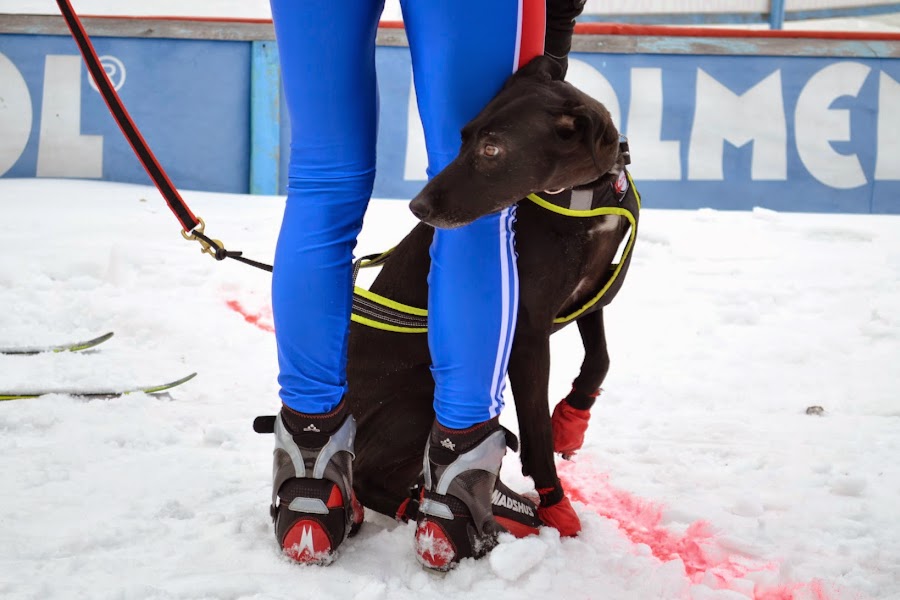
x=462 y=53
x=327 y=53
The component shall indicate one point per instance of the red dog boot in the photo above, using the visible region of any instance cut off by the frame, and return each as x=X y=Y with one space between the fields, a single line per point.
x=570 y=421
x=556 y=511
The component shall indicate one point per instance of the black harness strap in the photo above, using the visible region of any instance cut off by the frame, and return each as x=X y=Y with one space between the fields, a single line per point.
x=387 y=315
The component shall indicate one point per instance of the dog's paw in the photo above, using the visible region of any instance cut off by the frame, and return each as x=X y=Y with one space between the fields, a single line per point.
x=569 y=426
x=561 y=516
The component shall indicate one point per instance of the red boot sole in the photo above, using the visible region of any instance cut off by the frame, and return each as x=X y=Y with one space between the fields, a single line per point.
x=307 y=542
x=433 y=546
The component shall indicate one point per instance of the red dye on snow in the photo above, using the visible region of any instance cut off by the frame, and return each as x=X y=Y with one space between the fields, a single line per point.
x=815 y=590
x=262 y=319
x=705 y=560
x=641 y=521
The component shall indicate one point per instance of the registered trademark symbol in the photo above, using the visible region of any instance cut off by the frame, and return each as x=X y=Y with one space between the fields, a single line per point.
x=115 y=70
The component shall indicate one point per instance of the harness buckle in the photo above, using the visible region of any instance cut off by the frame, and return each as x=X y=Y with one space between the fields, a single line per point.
x=624 y=150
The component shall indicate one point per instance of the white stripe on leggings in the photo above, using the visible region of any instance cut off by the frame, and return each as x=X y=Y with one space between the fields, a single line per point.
x=515 y=65
x=514 y=302
x=509 y=298
x=508 y=273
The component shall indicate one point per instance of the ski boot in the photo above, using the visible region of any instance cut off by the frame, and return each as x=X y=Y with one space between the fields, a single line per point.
x=455 y=519
x=313 y=505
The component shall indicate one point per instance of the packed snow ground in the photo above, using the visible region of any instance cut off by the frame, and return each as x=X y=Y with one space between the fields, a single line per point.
x=702 y=476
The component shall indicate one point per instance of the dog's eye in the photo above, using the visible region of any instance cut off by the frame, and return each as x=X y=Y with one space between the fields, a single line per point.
x=490 y=150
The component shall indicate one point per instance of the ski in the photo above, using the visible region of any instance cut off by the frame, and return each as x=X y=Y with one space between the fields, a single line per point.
x=155 y=389
x=70 y=347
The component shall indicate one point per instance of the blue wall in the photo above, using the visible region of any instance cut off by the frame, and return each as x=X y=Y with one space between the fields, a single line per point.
x=189 y=98
x=192 y=101
x=800 y=189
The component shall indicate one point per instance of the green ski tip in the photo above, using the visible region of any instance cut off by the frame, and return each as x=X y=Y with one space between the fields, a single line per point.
x=85 y=345
x=156 y=389
x=71 y=347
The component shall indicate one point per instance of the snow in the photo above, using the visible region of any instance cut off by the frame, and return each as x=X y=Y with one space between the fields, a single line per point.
x=702 y=476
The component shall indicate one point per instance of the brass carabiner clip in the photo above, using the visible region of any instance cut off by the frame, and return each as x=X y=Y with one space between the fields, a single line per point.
x=205 y=246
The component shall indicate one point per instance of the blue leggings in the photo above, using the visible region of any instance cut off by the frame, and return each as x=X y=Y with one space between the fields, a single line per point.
x=462 y=53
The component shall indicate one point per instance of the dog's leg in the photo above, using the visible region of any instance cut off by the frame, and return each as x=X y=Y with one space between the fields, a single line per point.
x=529 y=374
x=596 y=358
x=571 y=415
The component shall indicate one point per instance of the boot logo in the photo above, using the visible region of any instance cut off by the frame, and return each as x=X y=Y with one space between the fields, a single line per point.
x=498 y=498
x=306 y=542
x=446 y=443
x=312 y=427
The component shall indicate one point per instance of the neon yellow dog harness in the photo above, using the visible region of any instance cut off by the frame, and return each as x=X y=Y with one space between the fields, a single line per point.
x=374 y=310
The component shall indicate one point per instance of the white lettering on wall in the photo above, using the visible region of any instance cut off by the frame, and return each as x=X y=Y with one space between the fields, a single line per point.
x=654 y=158
x=887 y=163
x=817 y=125
x=589 y=80
x=722 y=116
x=15 y=114
x=63 y=151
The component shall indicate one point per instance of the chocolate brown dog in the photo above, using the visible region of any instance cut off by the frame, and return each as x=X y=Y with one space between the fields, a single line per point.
x=553 y=149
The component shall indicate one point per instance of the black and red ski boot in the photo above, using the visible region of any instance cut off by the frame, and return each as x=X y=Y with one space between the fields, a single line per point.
x=313 y=505
x=516 y=513
x=455 y=519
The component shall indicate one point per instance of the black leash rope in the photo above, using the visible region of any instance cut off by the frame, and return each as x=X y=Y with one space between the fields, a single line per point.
x=220 y=253
x=192 y=226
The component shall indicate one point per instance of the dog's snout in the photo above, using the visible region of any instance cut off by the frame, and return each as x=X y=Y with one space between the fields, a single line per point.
x=420 y=209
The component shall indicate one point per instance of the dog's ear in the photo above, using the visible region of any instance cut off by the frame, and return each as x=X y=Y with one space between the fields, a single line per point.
x=540 y=67
x=594 y=125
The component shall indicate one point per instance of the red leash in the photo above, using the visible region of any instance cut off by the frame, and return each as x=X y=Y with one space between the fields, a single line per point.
x=192 y=226
x=129 y=129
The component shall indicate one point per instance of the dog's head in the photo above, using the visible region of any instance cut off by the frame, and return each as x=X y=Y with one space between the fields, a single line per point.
x=539 y=133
